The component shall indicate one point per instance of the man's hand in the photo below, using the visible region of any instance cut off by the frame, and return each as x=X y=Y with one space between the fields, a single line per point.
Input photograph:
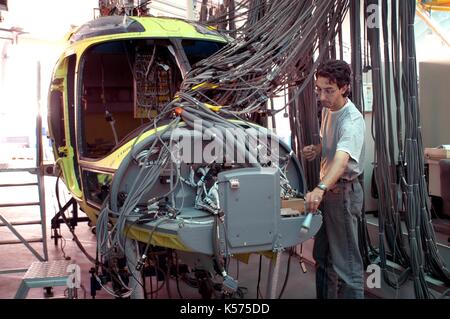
x=310 y=152
x=313 y=199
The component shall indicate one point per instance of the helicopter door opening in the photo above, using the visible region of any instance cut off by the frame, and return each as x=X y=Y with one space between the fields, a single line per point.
x=61 y=96
x=56 y=114
x=62 y=113
x=124 y=84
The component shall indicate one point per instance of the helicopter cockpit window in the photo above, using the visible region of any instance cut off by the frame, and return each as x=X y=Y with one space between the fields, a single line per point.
x=61 y=96
x=96 y=186
x=124 y=85
x=56 y=114
x=197 y=50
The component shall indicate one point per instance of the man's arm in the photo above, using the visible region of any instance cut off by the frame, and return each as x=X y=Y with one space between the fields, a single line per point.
x=312 y=151
x=336 y=170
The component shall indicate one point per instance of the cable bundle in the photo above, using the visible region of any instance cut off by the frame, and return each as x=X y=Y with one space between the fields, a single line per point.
x=395 y=84
x=272 y=53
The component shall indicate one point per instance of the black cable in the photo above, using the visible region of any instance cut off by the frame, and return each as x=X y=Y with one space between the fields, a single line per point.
x=72 y=231
x=259 y=276
x=144 y=286
x=158 y=288
x=177 y=274
x=167 y=278
x=407 y=174
x=288 y=268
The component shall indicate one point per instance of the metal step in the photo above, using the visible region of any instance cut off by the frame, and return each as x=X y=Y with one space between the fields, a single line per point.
x=47 y=269
x=20 y=204
x=44 y=274
x=15 y=241
x=22 y=184
x=18 y=169
x=28 y=222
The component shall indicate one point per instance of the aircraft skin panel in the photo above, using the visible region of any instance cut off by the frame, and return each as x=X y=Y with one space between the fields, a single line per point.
x=190 y=238
x=91 y=212
x=67 y=164
x=155 y=28
x=174 y=28
x=141 y=234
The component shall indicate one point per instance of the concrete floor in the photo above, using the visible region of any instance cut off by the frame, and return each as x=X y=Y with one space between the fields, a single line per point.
x=299 y=286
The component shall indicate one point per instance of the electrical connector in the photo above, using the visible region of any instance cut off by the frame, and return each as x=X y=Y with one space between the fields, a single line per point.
x=141 y=262
x=229 y=285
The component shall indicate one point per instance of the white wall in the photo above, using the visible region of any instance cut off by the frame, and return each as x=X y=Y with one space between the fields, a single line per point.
x=48 y=19
x=45 y=24
x=171 y=8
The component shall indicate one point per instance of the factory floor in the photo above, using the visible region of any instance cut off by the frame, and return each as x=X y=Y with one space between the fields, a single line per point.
x=300 y=284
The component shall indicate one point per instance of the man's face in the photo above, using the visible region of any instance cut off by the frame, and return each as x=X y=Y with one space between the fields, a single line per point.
x=329 y=94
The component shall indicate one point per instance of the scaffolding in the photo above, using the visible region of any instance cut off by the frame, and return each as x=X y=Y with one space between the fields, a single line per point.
x=37 y=170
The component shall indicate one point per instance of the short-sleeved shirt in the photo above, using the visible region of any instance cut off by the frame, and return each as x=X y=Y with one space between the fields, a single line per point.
x=343 y=130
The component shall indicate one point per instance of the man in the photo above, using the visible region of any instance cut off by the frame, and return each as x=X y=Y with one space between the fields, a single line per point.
x=339 y=192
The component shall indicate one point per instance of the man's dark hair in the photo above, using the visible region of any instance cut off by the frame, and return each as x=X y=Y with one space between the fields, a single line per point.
x=337 y=71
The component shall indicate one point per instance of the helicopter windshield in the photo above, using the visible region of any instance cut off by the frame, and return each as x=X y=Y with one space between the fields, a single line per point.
x=124 y=85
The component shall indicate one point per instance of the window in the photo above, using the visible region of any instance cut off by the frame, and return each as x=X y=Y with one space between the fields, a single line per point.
x=96 y=186
x=62 y=92
x=197 y=50
x=56 y=118
x=124 y=85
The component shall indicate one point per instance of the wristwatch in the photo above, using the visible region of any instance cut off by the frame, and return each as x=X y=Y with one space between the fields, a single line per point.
x=322 y=186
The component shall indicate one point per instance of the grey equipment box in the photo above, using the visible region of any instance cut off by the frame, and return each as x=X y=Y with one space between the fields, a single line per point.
x=250 y=199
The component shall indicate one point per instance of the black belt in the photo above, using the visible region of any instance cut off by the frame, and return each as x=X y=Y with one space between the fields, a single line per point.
x=347 y=181
x=343 y=181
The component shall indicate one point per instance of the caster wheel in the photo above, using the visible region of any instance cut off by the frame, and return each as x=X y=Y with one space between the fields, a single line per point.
x=48 y=292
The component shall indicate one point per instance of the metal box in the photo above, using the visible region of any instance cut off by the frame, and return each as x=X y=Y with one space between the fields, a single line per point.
x=250 y=199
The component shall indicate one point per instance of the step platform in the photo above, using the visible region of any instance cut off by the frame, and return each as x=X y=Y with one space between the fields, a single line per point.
x=44 y=274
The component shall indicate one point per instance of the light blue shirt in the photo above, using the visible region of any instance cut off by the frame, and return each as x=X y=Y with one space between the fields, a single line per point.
x=343 y=130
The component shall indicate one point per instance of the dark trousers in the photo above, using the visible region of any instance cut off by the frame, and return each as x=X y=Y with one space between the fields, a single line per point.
x=338 y=260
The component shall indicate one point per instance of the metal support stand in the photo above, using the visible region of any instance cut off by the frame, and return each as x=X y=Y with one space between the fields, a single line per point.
x=60 y=218
x=132 y=255
x=273 y=276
